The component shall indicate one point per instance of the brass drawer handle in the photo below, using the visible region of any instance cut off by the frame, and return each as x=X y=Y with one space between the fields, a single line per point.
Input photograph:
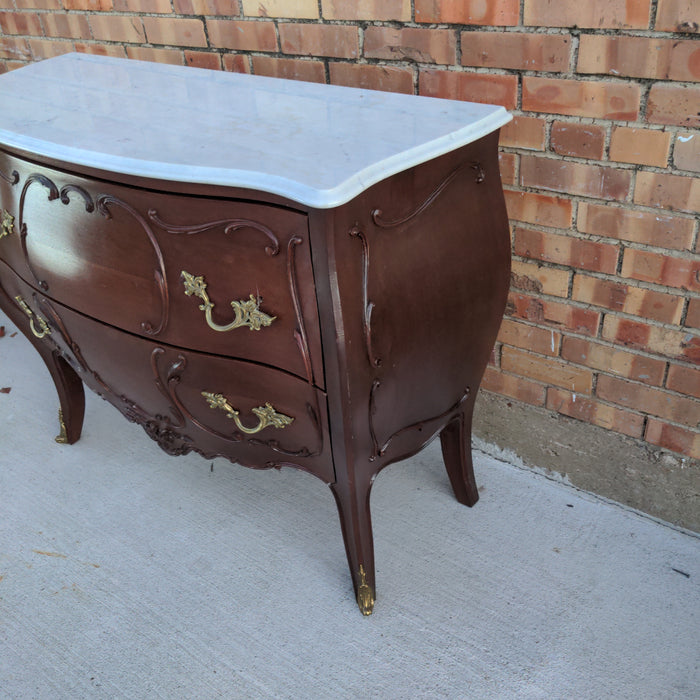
x=247 y=313
x=266 y=414
x=43 y=325
x=7 y=224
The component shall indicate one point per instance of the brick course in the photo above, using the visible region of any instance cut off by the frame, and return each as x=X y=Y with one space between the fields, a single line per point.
x=601 y=163
x=599 y=14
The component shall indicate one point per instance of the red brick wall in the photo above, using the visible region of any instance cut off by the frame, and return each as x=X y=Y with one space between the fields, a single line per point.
x=600 y=164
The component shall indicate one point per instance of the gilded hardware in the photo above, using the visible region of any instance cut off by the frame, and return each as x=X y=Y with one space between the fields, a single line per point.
x=7 y=225
x=365 y=594
x=247 y=313
x=43 y=325
x=266 y=414
x=62 y=437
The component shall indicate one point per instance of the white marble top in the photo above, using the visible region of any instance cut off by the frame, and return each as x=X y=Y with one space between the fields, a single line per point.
x=319 y=145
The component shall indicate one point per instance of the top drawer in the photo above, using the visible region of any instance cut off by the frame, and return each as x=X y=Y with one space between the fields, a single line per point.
x=222 y=276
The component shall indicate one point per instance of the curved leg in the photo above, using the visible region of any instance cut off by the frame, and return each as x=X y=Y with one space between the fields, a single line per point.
x=68 y=384
x=71 y=396
x=457 y=453
x=356 y=524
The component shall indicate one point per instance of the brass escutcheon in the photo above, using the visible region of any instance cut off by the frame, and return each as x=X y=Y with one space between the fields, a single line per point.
x=247 y=313
x=267 y=415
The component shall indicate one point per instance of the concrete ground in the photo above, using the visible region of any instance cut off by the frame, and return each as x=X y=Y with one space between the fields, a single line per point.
x=125 y=573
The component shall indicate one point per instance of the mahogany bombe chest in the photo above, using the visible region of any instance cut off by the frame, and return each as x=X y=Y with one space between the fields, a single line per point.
x=280 y=273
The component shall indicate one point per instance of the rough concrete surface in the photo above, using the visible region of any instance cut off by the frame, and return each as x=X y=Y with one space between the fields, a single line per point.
x=593 y=459
x=127 y=573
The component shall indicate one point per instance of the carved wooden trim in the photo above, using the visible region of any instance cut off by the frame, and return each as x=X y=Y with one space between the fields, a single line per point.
x=304 y=451
x=230 y=225
x=75 y=358
x=368 y=305
x=104 y=201
x=300 y=331
x=172 y=377
x=379 y=451
x=53 y=194
x=64 y=195
x=13 y=179
x=377 y=214
x=158 y=428
x=169 y=389
x=376 y=451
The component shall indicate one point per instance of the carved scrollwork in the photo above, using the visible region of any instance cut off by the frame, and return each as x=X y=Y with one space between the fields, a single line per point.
x=167 y=384
x=168 y=388
x=104 y=202
x=300 y=331
x=64 y=194
x=377 y=214
x=53 y=194
x=162 y=429
x=13 y=178
x=379 y=450
x=172 y=379
x=368 y=305
x=159 y=428
x=304 y=451
x=229 y=226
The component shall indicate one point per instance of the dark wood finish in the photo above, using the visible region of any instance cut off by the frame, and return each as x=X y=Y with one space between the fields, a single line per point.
x=113 y=240
x=387 y=310
x=69 y=386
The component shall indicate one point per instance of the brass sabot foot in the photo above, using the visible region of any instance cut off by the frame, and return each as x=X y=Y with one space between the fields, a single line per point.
x=62 y=437
x=365 y=594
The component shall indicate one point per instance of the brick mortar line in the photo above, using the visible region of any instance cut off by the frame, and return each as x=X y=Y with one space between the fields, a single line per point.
x=638 y=438
x=695 y=240
x=458 y=47
x=604 y=312
x=684 y=311
x=615 y=278
x=593 y=395
x=595 y=371
x=398 y=23
x=653 y=12
x=614 y=164
x=575 y=234
x=569 y=300
x=573 y=333
x=602 y=121
x=456 y=67
x=630 y=206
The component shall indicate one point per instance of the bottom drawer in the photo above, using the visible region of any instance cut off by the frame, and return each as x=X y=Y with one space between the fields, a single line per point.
x=185 y=400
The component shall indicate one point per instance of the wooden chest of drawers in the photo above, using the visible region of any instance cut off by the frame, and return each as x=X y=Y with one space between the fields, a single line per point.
x=315 y=280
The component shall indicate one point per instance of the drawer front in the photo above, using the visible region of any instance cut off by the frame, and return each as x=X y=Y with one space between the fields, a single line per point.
x=187 y=400
x=221 y=276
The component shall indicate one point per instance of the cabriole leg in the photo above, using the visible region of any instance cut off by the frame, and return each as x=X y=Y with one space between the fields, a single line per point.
x=356 y=524
x=69 y=386
x=457 y=454
x=70 y=395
